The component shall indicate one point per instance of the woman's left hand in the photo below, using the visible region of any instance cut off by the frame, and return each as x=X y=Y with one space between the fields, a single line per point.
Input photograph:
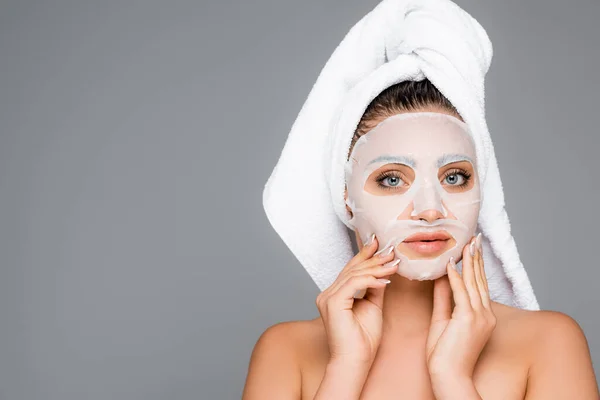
x=457 y=336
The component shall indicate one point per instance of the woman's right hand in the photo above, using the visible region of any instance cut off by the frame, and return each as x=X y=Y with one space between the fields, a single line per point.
x=354 y=326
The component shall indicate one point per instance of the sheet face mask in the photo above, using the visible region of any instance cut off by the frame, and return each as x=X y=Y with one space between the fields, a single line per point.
x=426 y=142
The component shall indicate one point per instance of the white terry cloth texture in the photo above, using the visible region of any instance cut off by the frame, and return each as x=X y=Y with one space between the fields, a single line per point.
x=398 y=40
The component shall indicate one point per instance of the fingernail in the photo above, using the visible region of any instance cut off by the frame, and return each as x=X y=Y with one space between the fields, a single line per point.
x=393 y=264
x=370 y=240
x=386 y=281
x=478 y=241
x=452 y=263
x=472 y=248
x=387 y=252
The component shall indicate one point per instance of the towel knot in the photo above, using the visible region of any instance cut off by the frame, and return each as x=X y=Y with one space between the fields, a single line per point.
x=412 y=27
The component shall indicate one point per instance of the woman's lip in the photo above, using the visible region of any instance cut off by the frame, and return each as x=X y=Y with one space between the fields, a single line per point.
x=428 y=236
x=429 y=247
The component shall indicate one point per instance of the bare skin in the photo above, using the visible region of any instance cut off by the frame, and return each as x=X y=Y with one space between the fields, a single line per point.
x=531 y=355
x=399 y=370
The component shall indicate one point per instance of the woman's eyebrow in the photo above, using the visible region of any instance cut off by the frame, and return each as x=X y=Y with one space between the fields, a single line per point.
x=395 y=159
x=451 y=158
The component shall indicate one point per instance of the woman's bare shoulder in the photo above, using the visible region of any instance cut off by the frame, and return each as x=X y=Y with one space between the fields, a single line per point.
x=559 y=359
x=303 y=337
x=523 y=329
x=531 y=320
x=296 y=338
x=277 y=359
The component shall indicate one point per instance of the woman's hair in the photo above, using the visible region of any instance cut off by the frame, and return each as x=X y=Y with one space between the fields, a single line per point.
x=402 y=97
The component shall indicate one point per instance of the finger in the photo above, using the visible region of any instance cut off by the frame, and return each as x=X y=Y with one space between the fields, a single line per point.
x=442 y=300
x=365 y=252
x=345 y=295
x=376 y=261
x=485 y=280
x=385 y=256
x=376 y=266
x=469 y=278
x=376 y=295
x=481 y=278
x=367 y=258
x=379 y=270
x=459 y=292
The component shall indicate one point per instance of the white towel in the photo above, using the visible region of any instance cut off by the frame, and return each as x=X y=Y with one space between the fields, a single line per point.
x=398 y=40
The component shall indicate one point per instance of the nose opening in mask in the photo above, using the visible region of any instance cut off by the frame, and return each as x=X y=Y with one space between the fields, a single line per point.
x=428 y=197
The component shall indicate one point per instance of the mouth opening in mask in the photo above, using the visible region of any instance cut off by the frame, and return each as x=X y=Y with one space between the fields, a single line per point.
x=426 y=245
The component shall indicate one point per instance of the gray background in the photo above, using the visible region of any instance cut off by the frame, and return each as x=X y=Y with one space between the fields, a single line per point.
x=136 y=137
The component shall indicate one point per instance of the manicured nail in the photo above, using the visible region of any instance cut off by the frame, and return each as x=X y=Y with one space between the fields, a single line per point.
x=478 y=241
x=452 y=263
x=386 y=281
x=387 y=252
x=472 y=248
x=393 y=264
x=370 y=240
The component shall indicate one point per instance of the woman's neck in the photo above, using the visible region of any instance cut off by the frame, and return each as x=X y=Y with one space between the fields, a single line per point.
x=407 y=307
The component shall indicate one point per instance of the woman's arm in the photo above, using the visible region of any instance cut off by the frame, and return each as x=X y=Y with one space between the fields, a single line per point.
x=343 y=381
x=274 y=371
x=562 y=366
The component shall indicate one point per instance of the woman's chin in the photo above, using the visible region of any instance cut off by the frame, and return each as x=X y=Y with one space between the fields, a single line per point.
x=425 y=250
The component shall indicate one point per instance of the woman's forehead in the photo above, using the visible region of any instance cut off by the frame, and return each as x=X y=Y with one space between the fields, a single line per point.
x=437 y=139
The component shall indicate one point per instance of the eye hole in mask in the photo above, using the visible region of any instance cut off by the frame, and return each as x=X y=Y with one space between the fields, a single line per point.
x=412 y=181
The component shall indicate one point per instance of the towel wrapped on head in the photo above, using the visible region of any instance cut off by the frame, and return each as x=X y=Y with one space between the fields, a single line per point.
x=399 y=40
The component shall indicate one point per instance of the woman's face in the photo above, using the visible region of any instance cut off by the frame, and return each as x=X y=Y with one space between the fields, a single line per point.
x=412 y=180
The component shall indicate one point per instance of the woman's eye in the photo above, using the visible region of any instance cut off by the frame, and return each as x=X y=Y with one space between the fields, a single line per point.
x=393 y=180
x=456 y=179
x=390 y=181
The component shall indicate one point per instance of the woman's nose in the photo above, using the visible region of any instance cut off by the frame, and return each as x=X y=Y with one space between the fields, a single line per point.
x=428 y=215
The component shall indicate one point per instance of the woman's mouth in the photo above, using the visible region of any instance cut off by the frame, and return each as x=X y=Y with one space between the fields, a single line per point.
x=428 y=243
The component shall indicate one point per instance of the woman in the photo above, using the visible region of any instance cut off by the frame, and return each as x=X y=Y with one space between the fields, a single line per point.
x=420 y=339
x=420 y=173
